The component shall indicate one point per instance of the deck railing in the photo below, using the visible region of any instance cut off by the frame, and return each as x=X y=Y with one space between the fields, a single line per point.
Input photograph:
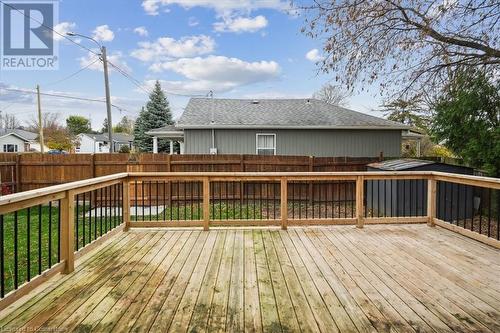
x=43 y=231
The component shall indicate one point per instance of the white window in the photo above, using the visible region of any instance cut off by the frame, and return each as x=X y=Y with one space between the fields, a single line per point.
x=9 y=148
x=266 y=144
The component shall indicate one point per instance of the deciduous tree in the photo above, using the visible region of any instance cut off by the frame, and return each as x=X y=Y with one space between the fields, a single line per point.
x=334 y=95
x=406 y=46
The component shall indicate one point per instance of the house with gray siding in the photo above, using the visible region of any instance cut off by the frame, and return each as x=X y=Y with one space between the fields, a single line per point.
x=307 y=127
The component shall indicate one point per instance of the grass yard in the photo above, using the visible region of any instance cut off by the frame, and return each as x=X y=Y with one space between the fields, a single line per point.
x=43 y=236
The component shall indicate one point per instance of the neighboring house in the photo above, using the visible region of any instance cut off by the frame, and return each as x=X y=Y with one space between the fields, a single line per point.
x=282 y=127
x=18 y=141
x=98 y=143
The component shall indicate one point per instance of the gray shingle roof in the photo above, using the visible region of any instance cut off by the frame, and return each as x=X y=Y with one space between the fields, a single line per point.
x=168 y=128
x=117 y=137
x=29 y=136
x=276 y=113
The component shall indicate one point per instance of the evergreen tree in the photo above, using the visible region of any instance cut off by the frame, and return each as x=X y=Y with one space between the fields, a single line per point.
x=156 y=114
x=104 y=128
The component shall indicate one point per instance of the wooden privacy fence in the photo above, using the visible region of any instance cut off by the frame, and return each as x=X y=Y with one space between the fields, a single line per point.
x=42 y=231
x=23 y=172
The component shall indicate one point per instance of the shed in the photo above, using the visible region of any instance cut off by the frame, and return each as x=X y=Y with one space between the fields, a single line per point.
x=409 y=197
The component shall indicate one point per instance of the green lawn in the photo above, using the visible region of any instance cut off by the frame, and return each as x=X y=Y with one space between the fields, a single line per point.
x=38 y=248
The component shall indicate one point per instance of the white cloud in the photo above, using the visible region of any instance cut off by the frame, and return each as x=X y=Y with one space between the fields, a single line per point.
x=314 y=55
x=103 y=33
x=217 y=73
x=117 y=58
x=165 y=48
x=152 y=7
x=63 y=28
x=193 y=21
x=241 y=24
x=141 y=31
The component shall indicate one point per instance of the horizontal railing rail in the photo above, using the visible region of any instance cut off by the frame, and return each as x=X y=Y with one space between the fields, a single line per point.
x=43 y=231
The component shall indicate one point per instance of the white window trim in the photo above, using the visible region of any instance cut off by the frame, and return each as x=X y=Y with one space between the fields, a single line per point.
x=257 y=142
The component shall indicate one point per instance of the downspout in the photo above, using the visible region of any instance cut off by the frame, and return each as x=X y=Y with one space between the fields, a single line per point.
x=212 y=119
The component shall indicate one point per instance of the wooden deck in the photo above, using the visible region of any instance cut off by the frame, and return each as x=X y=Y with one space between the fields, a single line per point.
x=328 y=279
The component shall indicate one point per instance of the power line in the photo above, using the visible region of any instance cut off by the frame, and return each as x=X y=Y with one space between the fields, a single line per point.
x=120 y=70
x=72 y=75
x=86 y=99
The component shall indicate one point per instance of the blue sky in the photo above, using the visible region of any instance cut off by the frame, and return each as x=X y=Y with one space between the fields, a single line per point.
x=237 y=48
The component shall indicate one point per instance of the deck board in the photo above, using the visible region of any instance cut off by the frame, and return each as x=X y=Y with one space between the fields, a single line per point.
x=317 y=279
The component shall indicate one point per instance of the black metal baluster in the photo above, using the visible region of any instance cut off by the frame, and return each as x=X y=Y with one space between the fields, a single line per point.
x=191 y=202
x=345 y=199
x=171 y=202
x=498 y=215
x=50 y=235
x=326 y=186
x=220 y=200
x=275 y=187
x=260 y=200
x=39 y=239
x=178 y=201
x=489 y=211
x=16 y=264
x=185 y=202
x=254 y=190
x=90 y=217
x=2 y=259
x=95 y=213
x=122 y=201
x=101 y=215
x=466 y=190
x=458 y=205
x=143 y=198
x=106 y=210
x=247 y=200
x=353 y=198
x=164 y=200
x=136 y=198
x=268 y=216
x=299 y=188
x=150 y=201
x=84 y=240
x=77 y=197
x=59 y=230
x=480 y=208
x=199 y=198
x=157 y=200
x=28 y=244
x=112 y=191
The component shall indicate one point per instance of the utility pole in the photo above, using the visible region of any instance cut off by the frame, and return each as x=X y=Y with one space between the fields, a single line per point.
x=104 y=59
x=108 y=99
x=40 y=124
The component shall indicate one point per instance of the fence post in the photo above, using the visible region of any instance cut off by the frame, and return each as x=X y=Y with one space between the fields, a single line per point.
x=284 y=203
x=206 y=203
x=360 y=187
x=68 y=232
x=431 y=201
x=126 y=204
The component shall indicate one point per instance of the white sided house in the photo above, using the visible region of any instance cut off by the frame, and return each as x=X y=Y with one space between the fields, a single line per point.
x=98 y=143
x=18 y=141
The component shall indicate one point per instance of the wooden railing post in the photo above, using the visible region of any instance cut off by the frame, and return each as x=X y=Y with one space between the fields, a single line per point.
x=126 y=204
x=206 y=204
x=431 y=201
x=360 y=187
x=68 y=232
x=284 y=203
